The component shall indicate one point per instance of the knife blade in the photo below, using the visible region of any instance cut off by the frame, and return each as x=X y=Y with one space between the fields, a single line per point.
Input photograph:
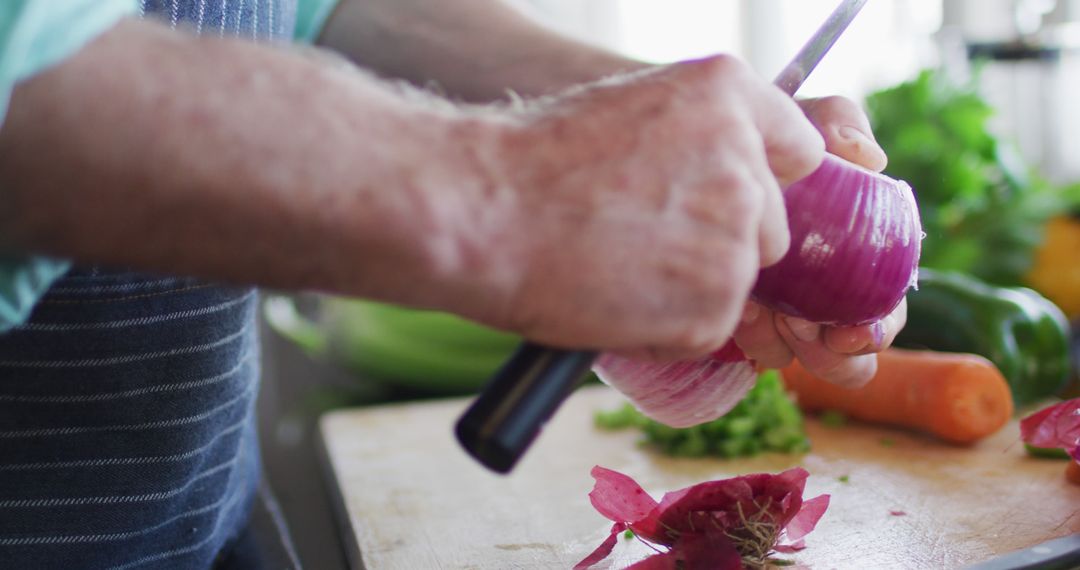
x=525 y=392
x=798 y=70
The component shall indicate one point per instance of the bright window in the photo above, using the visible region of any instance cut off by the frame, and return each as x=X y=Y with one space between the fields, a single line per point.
x=888 y=41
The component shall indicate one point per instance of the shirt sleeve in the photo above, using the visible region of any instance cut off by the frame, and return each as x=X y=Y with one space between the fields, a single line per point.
x=22 y=283
x=34 y=35
x=311 y=16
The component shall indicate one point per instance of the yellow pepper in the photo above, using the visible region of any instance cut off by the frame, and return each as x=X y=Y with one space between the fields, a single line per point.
x=1056 y=269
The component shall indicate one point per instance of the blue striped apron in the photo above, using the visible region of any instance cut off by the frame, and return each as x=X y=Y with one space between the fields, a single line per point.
x=127 y=436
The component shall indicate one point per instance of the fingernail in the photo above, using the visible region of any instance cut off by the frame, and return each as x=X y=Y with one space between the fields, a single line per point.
x=877 y=332
x=863 y=142
x=751 y=313
x=805 y=331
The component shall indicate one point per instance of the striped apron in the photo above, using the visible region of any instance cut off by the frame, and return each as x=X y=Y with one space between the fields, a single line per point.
x=127 y=436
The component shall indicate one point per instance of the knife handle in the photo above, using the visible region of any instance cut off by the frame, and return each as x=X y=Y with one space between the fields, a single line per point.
x=513 y=407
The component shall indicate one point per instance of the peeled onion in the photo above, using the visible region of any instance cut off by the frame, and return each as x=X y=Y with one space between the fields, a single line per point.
x=855 y=243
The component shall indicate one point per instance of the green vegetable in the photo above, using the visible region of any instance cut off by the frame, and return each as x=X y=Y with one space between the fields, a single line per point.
x=844 y=479
x=765 y=420
x=424 y=351
x=1046 y=452
x=833 y=419
x=1022 y=333
x=982 y=208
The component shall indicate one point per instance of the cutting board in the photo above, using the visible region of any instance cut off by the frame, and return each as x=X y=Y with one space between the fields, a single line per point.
x=411 y=499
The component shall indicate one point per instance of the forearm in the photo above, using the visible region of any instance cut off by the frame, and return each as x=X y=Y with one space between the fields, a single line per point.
x=261 y=167
x=472 y=49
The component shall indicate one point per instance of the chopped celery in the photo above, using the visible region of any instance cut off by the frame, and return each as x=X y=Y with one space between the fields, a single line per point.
x=765 y=420
x=833 y=419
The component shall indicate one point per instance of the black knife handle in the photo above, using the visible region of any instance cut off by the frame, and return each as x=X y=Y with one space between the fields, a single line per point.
x=514 y=406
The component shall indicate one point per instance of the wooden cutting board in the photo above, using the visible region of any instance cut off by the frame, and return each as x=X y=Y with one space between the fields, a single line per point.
x=411 y=499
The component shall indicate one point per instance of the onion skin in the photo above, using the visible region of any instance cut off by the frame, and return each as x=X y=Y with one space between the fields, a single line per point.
x=683 y=393
x=855 y=243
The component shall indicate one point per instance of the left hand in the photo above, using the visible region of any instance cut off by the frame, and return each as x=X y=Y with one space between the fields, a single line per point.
x=842 y=355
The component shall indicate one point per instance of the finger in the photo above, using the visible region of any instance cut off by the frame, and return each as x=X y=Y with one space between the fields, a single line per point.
x=846 y=130
x=793 y=145
x=774 y=235
x=853 y=371
x=807 y=343
x=756 y=335
x=867 y=339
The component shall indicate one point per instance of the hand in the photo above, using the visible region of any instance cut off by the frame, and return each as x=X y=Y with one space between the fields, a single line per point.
x=842 y=355
x=637 y=212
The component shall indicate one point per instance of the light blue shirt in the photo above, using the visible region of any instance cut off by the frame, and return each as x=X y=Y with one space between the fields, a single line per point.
x=36 y=34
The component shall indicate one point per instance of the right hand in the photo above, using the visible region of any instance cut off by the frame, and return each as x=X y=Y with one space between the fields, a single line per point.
x=635 y=213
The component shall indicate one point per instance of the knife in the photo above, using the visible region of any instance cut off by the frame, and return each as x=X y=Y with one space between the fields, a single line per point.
x=524 y=393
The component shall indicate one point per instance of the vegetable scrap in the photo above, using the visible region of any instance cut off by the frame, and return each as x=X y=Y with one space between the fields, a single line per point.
x=726 y=524
x=765 y=420
x=960 y=398
x=897 y=513
x=844 y=479
x=887 y=442
x=1055 y=426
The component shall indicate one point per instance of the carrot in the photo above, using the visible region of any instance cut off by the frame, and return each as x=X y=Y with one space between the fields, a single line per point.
x=960 y=398
x=1072 y=472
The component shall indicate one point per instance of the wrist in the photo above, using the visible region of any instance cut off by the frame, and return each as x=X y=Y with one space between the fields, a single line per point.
x=470 y=228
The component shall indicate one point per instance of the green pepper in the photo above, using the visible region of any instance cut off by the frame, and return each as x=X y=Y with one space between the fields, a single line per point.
x=1025 y=335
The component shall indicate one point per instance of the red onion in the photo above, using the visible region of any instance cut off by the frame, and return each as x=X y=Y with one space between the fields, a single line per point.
x=683 y=393
x=855 y=242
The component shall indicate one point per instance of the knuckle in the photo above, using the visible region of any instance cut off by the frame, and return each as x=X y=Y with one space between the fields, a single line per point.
x=850 y=372
x=722 y=81
x=836 y=105
x=730 y=200
x=725 y=66
x=726 y=277
x=775 y=248
x=698 y=338
x=803 y=160
x=743 y=198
